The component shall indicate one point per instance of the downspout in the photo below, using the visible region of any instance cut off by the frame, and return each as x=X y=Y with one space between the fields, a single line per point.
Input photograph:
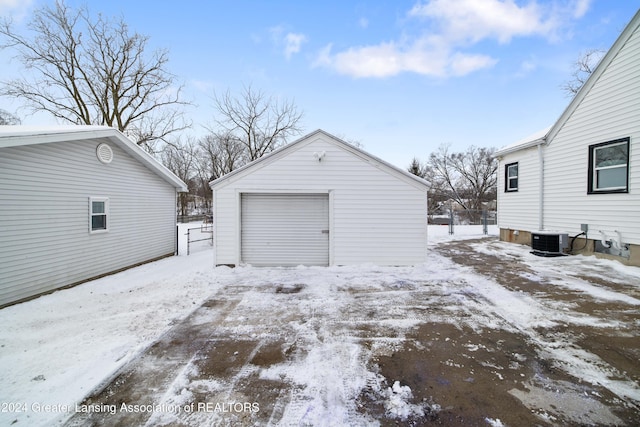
x=176 y=248
x=541 y=188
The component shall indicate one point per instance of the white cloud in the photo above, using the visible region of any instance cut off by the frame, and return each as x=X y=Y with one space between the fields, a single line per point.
x=527 y=66
x=11 y=4
x=293 y=43
x=424 y=56
x=581 y=8
x=15 y=8
x=450 y=31
x=463 y=64
x=475 y=20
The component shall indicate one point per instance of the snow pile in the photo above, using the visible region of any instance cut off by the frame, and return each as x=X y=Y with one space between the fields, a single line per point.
x=397 y=403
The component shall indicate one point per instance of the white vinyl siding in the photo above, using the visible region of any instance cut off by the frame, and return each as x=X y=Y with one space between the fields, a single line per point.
x=285 y=229
x=376 y=215
x=608 y=112
x=518 y=210
x=44 y=214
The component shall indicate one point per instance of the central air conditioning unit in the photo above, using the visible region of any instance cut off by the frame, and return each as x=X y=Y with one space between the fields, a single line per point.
x=549 y=243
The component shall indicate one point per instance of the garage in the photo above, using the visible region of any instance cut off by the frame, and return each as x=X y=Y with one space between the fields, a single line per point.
x=284 y=229
x=319 y=201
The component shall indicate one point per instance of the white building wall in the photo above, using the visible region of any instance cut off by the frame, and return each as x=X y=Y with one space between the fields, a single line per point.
x=518 y=210
x=44 y=216
x=610 y=110
x=375 y=215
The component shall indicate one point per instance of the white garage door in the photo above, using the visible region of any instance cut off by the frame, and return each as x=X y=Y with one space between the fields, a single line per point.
x=285 y=229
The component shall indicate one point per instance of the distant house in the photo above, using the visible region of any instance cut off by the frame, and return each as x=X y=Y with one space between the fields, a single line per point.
x=583 y=173
x=78 y=202
x=319 y=201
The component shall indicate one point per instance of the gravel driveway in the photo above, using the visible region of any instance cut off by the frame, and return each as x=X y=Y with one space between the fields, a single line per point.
x=484 y=334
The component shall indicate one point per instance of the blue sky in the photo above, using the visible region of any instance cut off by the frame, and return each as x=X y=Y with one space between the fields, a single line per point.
x=400 y=77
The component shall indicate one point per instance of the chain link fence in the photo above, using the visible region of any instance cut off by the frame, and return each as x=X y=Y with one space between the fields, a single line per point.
x=466 y=217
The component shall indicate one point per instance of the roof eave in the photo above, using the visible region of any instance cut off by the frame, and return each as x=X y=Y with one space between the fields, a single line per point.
x=508 y=150
x=51 y=135
x=146 y=158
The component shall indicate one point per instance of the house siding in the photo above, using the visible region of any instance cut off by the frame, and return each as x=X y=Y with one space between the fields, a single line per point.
x=610 y=110
x=375 y=215
x=45 y=242
x=518 y=210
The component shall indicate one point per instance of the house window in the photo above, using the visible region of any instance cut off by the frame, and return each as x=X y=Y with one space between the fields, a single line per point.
x=609 y=167
x=98 y=214
x=511 y=177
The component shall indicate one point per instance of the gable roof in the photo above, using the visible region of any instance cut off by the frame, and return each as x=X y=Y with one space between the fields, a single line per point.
x=604 y=63
x=283 y=151
x=15 y=136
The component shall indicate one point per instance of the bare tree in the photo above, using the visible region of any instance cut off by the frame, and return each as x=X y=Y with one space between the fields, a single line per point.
x=260 y=123
x=180 y=158
x=93 y=71
x=222 y=153
x=468 y=178
x=6 y=118
x=583 y=68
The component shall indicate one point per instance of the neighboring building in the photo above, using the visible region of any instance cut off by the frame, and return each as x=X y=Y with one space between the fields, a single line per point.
x=319 y=201
x=78 y=202
x=583 y=173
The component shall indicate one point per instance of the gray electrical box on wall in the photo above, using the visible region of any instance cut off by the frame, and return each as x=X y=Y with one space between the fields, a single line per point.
x=584 y=227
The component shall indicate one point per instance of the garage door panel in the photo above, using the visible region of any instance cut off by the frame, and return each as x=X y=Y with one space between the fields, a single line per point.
x=285 y=229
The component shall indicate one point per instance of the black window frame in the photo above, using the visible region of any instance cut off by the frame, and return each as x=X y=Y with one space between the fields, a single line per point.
x=507 y=188
x=591 y=185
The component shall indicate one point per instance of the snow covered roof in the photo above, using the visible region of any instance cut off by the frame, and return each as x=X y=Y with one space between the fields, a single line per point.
x=530 y=141
x=14 y=136
x=274 y=155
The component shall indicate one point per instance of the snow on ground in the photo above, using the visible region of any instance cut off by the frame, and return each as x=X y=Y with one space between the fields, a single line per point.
x=56 y=349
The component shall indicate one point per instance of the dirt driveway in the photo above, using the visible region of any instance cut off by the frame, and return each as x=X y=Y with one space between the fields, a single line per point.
x=485 y=334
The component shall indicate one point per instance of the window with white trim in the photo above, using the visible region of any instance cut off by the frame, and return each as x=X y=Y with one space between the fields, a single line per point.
x=98 y=214
x=511 y=177
x=609 y=167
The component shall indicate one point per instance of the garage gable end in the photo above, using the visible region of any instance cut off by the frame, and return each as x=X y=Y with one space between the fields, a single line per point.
x=316 y=141
x=319 y=201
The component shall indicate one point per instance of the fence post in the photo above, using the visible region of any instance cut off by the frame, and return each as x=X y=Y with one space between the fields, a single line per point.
x=485 y=231
x=450 y=222
x=188 y=240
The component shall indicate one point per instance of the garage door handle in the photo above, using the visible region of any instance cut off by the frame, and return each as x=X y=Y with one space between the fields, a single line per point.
x=325 y=231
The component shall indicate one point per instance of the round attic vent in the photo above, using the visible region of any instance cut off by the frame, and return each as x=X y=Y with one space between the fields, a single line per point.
x=104 y=153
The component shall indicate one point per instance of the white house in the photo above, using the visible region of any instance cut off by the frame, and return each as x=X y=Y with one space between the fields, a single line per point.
x=582 y=175
x=319 y=201
x=78 y=202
